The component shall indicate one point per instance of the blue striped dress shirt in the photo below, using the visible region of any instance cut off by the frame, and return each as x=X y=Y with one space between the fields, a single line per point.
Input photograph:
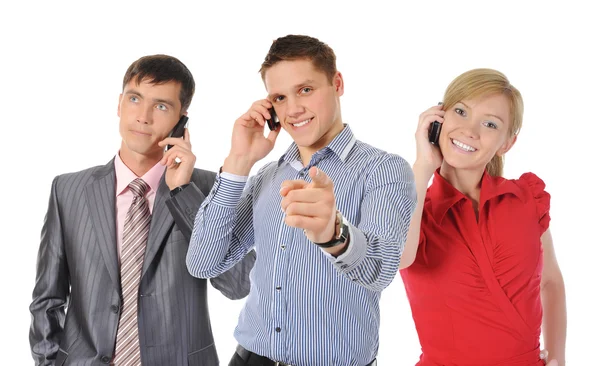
x=306 y=307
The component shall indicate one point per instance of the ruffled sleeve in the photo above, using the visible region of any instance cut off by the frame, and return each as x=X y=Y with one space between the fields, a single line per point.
x=541 y=198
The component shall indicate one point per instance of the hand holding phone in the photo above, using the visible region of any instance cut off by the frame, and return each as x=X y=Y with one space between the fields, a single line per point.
x=248 y=141
x=178 y=130
x=429 y=155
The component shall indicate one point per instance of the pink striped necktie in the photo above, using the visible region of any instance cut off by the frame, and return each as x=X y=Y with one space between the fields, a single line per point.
x=135 y=236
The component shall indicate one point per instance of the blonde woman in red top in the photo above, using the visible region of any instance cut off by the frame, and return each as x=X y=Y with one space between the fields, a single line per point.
x=479 y=264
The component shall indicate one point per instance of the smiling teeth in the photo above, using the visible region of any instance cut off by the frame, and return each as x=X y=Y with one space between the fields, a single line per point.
x=464 y=147
x=301 y=123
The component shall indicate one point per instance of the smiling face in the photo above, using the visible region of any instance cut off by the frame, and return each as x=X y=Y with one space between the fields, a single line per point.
x=147 y=114
x=476 y=130
x=306 y=102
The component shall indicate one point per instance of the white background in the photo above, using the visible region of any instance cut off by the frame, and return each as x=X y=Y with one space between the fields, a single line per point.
x=62 y=66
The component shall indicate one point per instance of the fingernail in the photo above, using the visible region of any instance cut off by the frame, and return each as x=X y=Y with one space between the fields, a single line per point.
x=318 y=171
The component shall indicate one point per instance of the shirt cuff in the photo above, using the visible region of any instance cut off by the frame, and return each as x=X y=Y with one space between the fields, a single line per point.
x=354 y=254
x=227 y=192
x=233 y=177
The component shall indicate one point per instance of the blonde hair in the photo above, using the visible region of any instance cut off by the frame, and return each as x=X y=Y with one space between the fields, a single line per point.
x=481 y=83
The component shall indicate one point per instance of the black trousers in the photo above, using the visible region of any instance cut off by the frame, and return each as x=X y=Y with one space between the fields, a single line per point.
x=256 y=360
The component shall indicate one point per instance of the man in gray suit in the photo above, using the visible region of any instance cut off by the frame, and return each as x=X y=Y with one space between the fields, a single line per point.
x=115 y=238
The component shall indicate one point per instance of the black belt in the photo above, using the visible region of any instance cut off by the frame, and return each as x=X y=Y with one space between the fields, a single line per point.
x=264 y=361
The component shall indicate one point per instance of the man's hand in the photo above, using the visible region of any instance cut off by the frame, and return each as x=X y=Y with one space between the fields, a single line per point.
x=311 y=206
x=179 y=160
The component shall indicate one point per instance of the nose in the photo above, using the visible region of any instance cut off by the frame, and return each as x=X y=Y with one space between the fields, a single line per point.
x=294 y=108
x=145 y=115
x=471 y=129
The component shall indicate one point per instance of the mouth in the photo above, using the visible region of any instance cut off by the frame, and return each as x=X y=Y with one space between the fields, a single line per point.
x=302 y=123
x=462 y=146
x=140 y=133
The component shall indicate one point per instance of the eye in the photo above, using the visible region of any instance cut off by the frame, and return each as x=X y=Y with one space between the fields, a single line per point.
x=133 y=99
x=490 y=125
x=305 y=90
x=161 y=107
x=460 y=112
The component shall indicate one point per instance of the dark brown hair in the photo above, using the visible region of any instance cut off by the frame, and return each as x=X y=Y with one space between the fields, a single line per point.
x=159 y=69
x=298 y=47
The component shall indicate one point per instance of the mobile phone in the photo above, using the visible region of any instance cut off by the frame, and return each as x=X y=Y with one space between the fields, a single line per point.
x=273 y=122
x=178 y=130
x=434 y=132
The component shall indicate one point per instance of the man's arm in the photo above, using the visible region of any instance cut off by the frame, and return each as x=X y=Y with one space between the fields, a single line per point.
x=370 y=255
x=223 y=232
x=51 y=288
x=375 y=245
x=184 y=205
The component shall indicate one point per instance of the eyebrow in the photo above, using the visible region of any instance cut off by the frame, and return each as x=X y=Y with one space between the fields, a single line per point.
x=487 y=114
x=305 y=82
x=162 y=101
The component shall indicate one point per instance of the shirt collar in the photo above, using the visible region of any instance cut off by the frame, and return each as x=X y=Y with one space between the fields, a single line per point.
x=443 y=195
x=124 y=175
x=340 y=146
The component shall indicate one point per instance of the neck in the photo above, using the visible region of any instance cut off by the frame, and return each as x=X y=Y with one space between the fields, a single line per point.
x=467 y=181
x=306 y=152
x=137 y=163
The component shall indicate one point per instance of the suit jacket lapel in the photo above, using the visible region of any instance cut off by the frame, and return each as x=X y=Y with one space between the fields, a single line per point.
x=162 y=221
x=101 y=199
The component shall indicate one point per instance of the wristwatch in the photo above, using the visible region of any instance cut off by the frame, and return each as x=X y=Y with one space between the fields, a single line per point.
x=341 y=232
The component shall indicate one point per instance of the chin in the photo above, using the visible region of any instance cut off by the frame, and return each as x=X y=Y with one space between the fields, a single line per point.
x=459 y=162
x=305 y=141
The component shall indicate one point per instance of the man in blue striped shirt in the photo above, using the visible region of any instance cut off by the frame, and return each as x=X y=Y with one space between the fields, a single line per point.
x=328 y=219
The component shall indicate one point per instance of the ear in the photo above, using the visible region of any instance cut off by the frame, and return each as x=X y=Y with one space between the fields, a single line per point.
x=119 y=106
x=510 y=142
x=338 y=83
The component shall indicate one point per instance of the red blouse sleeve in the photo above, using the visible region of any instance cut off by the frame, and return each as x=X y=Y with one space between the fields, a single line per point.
x=541 y=198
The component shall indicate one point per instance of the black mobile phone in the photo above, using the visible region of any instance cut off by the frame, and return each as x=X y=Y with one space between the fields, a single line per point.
x=434 y=132
x=273 y=122
x=178 y=130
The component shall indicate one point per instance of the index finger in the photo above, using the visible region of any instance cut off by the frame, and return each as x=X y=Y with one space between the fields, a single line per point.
x=290 y=185
x=263 y=107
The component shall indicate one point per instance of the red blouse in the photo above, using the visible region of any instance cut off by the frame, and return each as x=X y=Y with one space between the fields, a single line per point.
x=474 y=288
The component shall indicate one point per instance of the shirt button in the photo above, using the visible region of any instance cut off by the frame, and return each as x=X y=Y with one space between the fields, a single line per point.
x=282 y=246
x=278 y=288
x=114 y=309
x=278 y=329
x=105 y=359
x=344 y=266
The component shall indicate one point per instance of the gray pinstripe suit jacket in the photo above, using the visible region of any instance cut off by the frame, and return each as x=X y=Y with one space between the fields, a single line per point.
x=77 y=269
